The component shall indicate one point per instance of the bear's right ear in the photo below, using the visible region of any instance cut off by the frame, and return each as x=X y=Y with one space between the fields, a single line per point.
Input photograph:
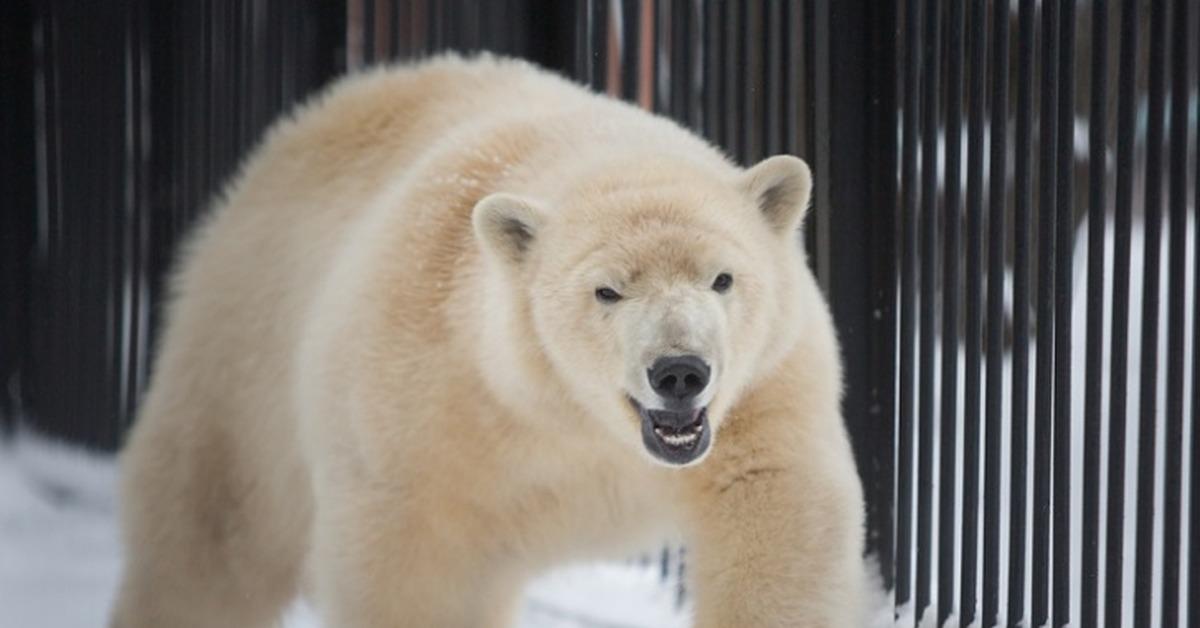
x=506 y=226
x=780 y=186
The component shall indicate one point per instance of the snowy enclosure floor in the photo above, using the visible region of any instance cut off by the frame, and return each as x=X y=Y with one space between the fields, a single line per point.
x=59 y=557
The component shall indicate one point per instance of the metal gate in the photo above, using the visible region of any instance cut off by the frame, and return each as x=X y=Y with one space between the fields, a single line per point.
x=1047 y=320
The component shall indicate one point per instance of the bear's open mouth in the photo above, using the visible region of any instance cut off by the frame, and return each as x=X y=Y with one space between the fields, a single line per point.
x=675 y=437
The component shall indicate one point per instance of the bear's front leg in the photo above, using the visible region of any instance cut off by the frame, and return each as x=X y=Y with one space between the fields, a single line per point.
x=378 y=564
x=776 y=534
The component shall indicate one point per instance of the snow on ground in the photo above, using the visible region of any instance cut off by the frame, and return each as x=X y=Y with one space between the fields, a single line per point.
x=58 y=555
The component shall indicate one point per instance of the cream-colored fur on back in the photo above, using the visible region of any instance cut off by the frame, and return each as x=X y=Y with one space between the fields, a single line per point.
x=356 y=401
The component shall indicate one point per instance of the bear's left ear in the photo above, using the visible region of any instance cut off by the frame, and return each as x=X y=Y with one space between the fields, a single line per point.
x=780 y=186
x=506 y=225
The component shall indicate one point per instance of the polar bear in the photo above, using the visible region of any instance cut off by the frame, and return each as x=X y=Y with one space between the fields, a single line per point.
x=458 y=322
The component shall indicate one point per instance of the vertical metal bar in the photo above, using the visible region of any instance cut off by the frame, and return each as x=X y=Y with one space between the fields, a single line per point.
x=696 y=64
x=354 y=47
x=599 y=43
x=235 y=69
x=774 y=84
x=216 y=94
x=126 y=214
x=398 y=12
x=1063 y=292
x=275 y=43
x=1022 y=242
x=752 y=92
x=232 y=79
x=614 y=37
x=289 y=59
x=248 y=112
x=194 y=107
x=455 y=18
x=1176 y=278
x=1043 y=385
x=46 y=194
x=218 y=83
x=680 y=46
x=435 y=13
x=112 y=222
x=929 y=265
x=630 y=36
x=973 y=308
x=663 y=69
x=1097 y=145
x=1148 y=397
x=542 y=31
x=261 y=52
x=124 y=218
x=800 y=84
x=516 y=35
x=712 y=71
x=733 y=81
x=233 y=82
x=419 y=35
x=43 y=84
x=1118 y=398
x=646 y=68
x=583 y=41
x=169 y=175
x=861 y=129
x=997 y=208
x=134 y=281
x=137 y=232
x=384 y=18
x=951 y=219
x=820 y=17
x=878 y=311
x=906 y=426
x=1193 y=568
x=328 y=47
x=202 y=113
x=18 y=188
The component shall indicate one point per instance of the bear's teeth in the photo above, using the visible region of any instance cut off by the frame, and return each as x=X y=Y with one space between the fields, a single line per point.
x=682 y=439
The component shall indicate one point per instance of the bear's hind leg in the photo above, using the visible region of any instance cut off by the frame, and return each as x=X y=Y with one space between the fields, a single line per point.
x=146 y=600
x=201 y=552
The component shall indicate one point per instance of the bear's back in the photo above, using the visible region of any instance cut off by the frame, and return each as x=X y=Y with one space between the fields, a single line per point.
x=389 y=161
x=255 y=258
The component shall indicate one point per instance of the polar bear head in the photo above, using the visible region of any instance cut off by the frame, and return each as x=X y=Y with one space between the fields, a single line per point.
x=656 y=293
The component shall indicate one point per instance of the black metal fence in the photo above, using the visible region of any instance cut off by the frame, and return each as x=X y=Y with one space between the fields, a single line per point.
x=1052 y=487
x=126 y=117
x=1022 y=402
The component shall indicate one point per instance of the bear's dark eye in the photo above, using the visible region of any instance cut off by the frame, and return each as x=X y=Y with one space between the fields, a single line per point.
x=607 y=295
x=722 y=282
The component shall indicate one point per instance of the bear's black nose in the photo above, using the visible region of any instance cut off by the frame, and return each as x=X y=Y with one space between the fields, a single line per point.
x=678 y=378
